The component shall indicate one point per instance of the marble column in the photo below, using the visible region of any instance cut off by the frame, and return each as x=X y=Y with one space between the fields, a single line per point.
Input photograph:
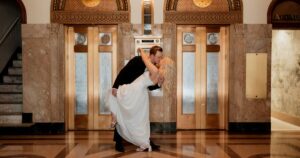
x=43 y=72
x=245 y=113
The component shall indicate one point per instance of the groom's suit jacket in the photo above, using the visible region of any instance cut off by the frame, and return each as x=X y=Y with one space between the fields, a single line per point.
x=132 y=70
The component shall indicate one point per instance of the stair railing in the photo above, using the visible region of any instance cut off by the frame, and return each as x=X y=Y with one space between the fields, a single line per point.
x=9 y=42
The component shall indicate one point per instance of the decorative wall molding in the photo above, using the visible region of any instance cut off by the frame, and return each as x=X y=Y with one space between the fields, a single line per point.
x=204 y=18
x=235 y=4
x=58 y=4
x=122 y=5
x=284 y=14
x=64 y=17
x=171 y=5
x=74 y=13
x=234 y=14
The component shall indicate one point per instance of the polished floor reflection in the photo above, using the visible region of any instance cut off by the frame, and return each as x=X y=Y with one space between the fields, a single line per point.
x=188 y=144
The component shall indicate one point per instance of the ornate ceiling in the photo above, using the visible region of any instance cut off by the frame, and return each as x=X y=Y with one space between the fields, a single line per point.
x=118 y=11
x=219 y=12
x=90 y=11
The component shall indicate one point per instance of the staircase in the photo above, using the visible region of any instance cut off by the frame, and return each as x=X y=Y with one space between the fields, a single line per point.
x=11 y=97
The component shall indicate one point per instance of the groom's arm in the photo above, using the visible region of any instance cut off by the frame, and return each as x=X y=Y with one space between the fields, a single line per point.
x=125 y=75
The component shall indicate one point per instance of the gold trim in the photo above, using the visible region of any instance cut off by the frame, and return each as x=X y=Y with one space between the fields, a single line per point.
x=72 y=17
x=203 y=75
x=70 y=77
x=203 y=17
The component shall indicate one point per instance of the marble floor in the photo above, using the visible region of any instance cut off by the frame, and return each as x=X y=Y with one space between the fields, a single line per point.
x=187 y=144
x=279 y=125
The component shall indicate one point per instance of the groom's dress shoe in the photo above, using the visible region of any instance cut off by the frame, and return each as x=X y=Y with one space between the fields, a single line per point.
x=119 y=147
x=154 y=146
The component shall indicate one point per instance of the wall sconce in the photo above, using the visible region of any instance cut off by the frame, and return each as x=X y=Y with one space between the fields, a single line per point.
x=91 y=3
x=202 y=3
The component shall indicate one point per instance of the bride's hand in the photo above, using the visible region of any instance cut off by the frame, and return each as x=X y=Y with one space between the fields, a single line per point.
x=114 y=92
x=161 y=80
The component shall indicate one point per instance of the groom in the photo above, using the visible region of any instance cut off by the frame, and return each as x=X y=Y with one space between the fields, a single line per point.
x=132 y=70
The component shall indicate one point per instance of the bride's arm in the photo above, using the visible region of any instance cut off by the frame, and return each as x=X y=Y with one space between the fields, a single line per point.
x=150 y=66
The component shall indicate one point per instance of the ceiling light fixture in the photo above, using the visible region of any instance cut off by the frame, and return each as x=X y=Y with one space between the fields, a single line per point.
x=91 y=3
x=202 y=3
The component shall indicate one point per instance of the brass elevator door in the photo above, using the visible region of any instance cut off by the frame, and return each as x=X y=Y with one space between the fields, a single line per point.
x=202 y=77
x=90 y=72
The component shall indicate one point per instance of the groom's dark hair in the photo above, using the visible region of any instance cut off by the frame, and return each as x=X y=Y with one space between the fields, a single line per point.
x=154 y=49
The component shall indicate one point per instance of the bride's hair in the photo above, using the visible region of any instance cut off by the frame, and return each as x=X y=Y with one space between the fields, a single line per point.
x=166 y=66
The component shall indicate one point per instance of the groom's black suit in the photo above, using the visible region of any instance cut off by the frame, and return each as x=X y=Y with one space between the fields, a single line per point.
x=131 y=71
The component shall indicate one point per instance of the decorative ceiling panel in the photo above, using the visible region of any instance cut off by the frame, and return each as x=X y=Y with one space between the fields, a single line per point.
x=216 y=5
x=78 y=5
x=219 y=12
x=90 y=11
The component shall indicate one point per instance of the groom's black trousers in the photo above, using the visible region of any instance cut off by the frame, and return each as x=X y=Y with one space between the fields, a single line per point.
x=117 y=137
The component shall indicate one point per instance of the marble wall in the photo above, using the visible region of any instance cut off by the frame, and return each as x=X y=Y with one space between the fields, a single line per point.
x=43 y=71
x=286 y=72
x=245 y=39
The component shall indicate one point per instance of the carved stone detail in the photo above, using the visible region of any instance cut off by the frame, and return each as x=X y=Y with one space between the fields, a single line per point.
x=122 y=5
x=171 y=5
x=68 y=15
x=90 y=18
x=233 y=15
x=235 y=4
x=58 y=4
x=203 y=18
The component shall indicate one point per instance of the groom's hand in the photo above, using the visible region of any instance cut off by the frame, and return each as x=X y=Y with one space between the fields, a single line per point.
x=114 y=92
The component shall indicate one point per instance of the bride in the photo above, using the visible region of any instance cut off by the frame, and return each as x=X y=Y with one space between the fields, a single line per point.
x=130 y=107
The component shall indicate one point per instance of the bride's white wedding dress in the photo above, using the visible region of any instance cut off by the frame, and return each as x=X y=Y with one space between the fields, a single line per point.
x=131 y=108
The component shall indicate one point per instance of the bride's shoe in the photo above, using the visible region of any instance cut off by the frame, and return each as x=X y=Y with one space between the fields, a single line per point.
x=142 y=149
x=139 y=149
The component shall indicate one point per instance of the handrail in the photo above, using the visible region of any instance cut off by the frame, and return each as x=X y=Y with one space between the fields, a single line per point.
x=9 y=30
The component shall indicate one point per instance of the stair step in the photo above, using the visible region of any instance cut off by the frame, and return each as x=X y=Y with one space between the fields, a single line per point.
x=16 y=124
x=12 y=79
x=17 y=63
x=14 y=71
x=11 y=119
x=9 y=108
x=10 y=113
x=11 y=98
x=19 y=56
x=11 y=88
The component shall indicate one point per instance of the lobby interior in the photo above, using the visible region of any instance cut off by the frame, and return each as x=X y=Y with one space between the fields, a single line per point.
x=232 y=76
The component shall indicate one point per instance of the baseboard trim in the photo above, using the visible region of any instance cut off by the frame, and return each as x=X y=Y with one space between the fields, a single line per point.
x=163 y=127
x=287 y=118
x=36 y=128
x=251 y=127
